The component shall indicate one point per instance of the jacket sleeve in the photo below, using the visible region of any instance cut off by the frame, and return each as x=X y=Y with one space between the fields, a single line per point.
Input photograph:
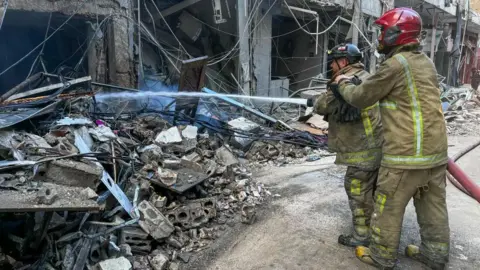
x=324 y=103
x=374 y=87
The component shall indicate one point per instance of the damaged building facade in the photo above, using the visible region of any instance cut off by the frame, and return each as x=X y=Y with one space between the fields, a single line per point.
x=263 y=48
x=79 y=37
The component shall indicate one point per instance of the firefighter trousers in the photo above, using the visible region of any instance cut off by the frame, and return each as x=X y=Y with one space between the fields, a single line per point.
x=395 y=188
x=359 y=185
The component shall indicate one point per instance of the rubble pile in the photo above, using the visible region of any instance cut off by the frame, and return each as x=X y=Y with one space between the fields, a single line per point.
x=119 y=191
x=462 y=110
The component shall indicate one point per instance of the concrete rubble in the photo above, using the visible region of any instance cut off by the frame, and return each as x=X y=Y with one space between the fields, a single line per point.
x=461 y=107
x=131 y=193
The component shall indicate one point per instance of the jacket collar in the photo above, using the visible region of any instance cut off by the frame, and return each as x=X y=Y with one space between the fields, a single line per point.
x=347 y=69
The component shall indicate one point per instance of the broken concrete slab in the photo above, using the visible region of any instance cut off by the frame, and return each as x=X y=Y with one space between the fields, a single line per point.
x=47 y=196
x=68 y=199
x=169 y=136
x=242 y=125
x=159 y=261
x=154 y=222
x=186 y=179
x=151 y=153
x=89 y=193
x=225 y=157
x=120 y=263
x=190 y=132
x=185 y=147
x=102 y=133
x=73 y=173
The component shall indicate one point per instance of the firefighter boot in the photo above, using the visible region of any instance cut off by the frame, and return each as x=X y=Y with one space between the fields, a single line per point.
x=364 y=255
x=413 y=252
x=358 y=238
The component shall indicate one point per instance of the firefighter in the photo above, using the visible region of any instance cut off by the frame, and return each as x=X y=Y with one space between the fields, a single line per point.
x=355 y=135
x=415 y=149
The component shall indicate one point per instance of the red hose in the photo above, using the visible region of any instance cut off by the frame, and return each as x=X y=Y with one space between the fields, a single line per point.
x=464 y=180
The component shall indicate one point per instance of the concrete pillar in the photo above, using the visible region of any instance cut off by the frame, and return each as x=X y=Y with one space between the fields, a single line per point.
x=262 y=50
x=357 y=13
x=434 y=35
x=124 y=64
x=244 y=46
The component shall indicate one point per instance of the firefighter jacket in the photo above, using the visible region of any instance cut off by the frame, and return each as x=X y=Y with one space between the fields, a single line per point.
x=408 y=93
x=357 y=143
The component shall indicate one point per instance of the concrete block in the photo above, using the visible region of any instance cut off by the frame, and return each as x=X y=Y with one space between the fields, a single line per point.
x=194 y=213
x=158 y=262
x=154 y=222
x=246 y=125
x=190 y=132
x=171 y=135
x=136 y=238
x=73 y=173
x=120 y=263
x=158 y=201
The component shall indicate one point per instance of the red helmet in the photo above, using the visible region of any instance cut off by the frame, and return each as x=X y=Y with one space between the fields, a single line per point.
x=399 y=26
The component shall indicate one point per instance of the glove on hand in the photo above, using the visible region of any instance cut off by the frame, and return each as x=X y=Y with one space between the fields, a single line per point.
x=334 y=88
x=344 y=111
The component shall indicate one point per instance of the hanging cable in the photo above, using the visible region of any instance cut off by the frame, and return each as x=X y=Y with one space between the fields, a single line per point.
x=5 y=7
x=328 y=28
x=38 y=46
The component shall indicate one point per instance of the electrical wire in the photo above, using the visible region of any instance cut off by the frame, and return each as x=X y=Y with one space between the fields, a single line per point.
x=38 y=46
x=169 y=28
x=43 y=46
x=326 y=30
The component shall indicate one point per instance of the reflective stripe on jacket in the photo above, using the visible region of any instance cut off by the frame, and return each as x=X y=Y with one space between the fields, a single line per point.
x=357 y=143
x=408 y=93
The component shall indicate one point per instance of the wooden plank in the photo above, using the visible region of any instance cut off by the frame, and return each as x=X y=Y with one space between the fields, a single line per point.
x=48 y=88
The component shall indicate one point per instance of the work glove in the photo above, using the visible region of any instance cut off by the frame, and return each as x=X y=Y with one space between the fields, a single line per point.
x=345 y=112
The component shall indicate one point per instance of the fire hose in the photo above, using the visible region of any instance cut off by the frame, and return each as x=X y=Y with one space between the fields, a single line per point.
x=458 y=177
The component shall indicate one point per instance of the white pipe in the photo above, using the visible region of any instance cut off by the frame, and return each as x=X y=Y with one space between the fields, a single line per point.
x=328 y=28
x=316 y=39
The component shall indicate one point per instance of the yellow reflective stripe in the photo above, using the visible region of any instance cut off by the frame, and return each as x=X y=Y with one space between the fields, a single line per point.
x=359 y=212
x=415 y=104
x=371 y=107
x=381 y=199
x=414 y=160
x=367 y=125
x=392 y=105
x=360 y=156
x=355 y=187
x=384 y=252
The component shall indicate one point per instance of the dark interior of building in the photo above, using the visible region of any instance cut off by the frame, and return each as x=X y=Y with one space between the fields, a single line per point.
x=23 y=31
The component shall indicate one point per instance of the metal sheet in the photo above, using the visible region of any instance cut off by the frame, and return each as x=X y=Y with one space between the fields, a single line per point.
x=10 y=118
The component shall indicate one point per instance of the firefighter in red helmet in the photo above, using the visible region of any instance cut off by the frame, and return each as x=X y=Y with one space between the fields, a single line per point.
x=414 y=154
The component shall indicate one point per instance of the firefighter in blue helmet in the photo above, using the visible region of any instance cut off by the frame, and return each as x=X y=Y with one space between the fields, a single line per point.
x=356 y=136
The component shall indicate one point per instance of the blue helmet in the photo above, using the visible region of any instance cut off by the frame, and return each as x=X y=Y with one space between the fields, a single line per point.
x=349 y=51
